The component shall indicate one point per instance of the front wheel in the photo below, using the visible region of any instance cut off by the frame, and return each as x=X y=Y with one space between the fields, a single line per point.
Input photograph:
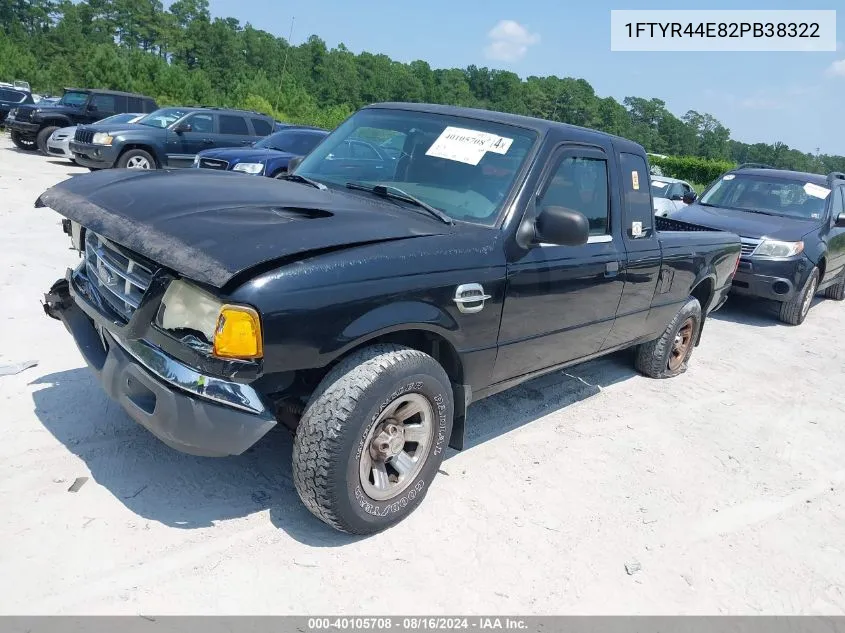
x=43 y=136
x=669 y=355
x=794 y=312
x=23 y=142
x=372 y=438
x=136 y=159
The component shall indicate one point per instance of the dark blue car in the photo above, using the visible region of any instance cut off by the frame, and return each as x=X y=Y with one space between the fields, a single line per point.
x=268 y=157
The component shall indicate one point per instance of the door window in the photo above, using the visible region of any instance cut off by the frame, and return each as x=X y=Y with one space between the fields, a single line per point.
x=262 y=127
x=230 y=124
x=580 y=184
x=837 y=206
x=104 y=103
x=639 y=213
x=200 y=122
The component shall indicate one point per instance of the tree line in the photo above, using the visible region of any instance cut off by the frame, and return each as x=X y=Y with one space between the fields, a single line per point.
x=183 y=56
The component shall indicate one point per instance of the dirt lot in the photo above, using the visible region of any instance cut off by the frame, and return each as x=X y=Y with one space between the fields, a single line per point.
x=725 y=485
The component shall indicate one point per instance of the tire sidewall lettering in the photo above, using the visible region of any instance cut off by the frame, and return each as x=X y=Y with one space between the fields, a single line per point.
x=432 y=390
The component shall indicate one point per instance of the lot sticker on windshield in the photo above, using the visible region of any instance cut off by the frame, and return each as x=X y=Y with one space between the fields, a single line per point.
x=729 y=177
x=467 y=146
x=816 y=191
x=635 y=178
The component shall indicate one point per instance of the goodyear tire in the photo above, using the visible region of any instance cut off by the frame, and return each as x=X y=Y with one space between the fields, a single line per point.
x=794 y=312
x=669 y=355
x=43 y=136
x=372 y=438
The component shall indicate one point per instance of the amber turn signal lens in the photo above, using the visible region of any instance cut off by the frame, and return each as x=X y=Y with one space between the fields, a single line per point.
x=238 y=333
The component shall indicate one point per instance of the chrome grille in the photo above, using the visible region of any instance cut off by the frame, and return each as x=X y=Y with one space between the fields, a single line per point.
x=120 y=281
x=83 y=136
x=748 y=246
x=213 y=163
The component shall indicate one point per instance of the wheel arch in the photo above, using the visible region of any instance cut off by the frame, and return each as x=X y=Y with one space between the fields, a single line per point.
x=703 y=290
x=150 y=149
x=431 y=340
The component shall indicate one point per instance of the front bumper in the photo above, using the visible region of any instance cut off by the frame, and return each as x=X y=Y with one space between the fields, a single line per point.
x=775 y=279
x=59 y=147
x=26 y=128
x=190 y=412
x=96 y=156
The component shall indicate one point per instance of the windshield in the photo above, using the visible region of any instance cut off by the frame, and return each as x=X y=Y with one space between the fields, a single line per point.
x=291 y=141
x=163 y=117
x=75 y=99
x=769 y=195
x=12 y=96
x=462 y=167
x=659 y=189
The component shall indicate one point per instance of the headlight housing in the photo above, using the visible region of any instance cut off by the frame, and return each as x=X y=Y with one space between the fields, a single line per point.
x=102 y=138
x=249 y=168
x=225 y=330
x=776 y=248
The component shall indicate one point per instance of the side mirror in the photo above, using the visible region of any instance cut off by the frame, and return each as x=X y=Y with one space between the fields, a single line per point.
x=562 y=226
x=293 y=163
x=689 y=197
x=183 y=127
x=840 y=221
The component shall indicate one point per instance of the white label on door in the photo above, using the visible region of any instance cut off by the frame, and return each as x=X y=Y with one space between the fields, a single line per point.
x=636 y=228
x=635 y=178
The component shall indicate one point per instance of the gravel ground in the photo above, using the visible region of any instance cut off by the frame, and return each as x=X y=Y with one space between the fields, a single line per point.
x=724 y=485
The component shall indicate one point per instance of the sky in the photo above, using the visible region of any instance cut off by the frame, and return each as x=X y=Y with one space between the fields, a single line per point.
x=796 y=98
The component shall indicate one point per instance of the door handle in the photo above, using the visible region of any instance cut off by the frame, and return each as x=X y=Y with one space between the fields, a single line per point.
x=611 y=269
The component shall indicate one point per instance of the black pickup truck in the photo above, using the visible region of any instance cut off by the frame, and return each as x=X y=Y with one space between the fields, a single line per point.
x=365 y=305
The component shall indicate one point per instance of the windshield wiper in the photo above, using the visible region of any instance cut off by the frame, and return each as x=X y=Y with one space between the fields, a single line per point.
x=388 y=191
x=307 y=181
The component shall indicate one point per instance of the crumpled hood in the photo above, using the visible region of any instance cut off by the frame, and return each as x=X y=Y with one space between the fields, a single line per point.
x=244 y=154
x=746 y=223
x=210 y=225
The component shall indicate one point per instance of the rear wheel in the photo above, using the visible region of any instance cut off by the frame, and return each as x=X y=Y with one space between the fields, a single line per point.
x=372 y=438
x=668 y=356
x=43 y=136
x=794 y=312
x=837 y=290
x=23 y=142
x=136 y=159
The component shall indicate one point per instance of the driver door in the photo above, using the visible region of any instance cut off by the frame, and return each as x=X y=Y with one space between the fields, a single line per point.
x=183 y=146
x=561 y=301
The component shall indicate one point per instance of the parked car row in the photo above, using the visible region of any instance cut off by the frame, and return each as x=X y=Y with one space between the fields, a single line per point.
x=103 y=129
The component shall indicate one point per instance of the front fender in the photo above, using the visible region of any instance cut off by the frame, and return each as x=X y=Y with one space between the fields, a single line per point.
x=60 y=121
x=155 y=147
x=392 y=318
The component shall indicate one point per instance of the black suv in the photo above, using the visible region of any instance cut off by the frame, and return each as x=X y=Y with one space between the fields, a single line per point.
x=792 y=226
x=32 y=125
x=169 y=137
x=11 y=98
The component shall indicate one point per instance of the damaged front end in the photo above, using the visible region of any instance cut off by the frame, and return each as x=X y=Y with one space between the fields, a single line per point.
x=108 y=304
